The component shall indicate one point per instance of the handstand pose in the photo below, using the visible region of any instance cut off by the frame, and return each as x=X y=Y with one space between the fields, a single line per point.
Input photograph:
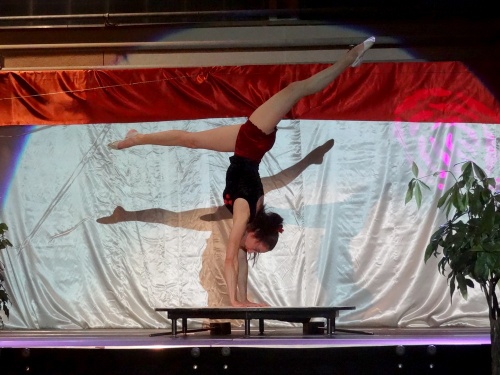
x=254 y=230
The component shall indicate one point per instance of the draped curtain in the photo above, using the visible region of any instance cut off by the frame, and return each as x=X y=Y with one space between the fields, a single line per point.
x=102 y=237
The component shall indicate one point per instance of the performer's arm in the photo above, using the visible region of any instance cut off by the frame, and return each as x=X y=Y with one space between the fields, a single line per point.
x=241 y=213
x=243 y=281
x=242 y=275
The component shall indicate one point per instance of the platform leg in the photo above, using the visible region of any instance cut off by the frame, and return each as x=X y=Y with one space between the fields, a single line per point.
x=261 y=326
x=247 y=327
x=174 y=327
x=330 y=326
x=184 y=326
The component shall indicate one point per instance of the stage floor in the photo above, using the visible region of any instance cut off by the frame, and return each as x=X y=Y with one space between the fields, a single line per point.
x=283 y=351
x=272 y=338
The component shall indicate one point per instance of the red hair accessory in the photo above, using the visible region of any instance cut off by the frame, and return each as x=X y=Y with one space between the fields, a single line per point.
x=227 y=200
x=280 y=229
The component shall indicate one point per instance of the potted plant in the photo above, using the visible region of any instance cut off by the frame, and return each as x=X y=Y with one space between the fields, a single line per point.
x=468 y=243
x=4 y=297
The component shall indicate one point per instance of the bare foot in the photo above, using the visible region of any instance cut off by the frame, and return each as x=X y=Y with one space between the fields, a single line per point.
x=117 y=216
x=316 y=155
x=129 y=141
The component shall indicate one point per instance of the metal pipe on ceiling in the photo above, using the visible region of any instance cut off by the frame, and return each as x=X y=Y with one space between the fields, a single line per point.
x=189 y=45
x=191 y=14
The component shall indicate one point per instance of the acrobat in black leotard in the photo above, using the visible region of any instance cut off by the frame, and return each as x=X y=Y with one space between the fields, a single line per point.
x=242 y=176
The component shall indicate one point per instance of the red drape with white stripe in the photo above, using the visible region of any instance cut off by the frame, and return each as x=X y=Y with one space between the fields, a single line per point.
x=439 y=92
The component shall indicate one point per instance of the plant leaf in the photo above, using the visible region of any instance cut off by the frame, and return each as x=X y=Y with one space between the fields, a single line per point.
x=448 y=207
x=434 y=243
x=409 y=192
x=429 y=250
x=488 y=219
x=462 y=285
x=466 y=169
x=491 y=182
x=414 y=169
x=445 y=195
x=418 y=195
x=452 y=287
x=422 y=183
x=478 y=171
x=442 y=200
x=481 y=270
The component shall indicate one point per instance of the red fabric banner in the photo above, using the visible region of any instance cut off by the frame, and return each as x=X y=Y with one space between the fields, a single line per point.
x=414 y=91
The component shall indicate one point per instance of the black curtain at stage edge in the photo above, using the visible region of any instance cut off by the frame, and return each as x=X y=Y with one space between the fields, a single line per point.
x=387 y=360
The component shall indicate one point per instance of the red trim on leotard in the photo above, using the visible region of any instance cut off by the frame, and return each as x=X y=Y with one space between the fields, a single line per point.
x=252 y=143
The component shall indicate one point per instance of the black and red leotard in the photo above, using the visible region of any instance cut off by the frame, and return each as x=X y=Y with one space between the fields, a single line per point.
x=242 y=176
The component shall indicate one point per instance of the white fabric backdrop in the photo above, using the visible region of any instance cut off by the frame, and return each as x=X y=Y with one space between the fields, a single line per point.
x=348 y=239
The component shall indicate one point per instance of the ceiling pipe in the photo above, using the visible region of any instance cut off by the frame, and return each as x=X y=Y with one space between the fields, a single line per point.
x=219 y=13
x=337 y=12
x=191 y=45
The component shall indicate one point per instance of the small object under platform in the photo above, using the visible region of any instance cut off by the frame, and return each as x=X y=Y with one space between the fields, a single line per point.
x=291 y=314
x=313 y=328
x=220 y=329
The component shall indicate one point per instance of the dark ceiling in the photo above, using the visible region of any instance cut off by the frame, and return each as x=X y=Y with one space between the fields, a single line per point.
x=28 y=12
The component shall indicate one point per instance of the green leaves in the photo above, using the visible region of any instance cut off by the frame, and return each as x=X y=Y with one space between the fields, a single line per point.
x=466 y=170
x=434 y=243
x=414 y=169
x=418 y=194
x=4 y=297
x=4 y=242
x=463 y=283
x=478 y=171
x=415 y=187
x=468 y=243
x=409 y=192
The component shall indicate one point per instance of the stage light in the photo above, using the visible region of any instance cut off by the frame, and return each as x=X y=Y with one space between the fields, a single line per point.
x=431 y=350
x=400 y=350
x=226 y=351
x=195 y=352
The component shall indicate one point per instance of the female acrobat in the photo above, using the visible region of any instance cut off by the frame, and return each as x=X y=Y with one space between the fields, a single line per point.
x=254 y=229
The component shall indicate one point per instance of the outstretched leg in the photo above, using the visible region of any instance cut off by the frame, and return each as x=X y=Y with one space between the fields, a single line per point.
x=266 y=117
x=269 y=114
x=220 y=139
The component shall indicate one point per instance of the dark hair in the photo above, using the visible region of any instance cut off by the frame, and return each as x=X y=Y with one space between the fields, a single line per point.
x=266 y=227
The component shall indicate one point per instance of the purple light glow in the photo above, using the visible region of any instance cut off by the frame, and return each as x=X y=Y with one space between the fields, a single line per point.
x=120 y=340
x=450 y=114
x=475 y=142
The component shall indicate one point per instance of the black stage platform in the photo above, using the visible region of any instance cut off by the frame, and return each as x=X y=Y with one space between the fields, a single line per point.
x=276 y=350
x=288 y=314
